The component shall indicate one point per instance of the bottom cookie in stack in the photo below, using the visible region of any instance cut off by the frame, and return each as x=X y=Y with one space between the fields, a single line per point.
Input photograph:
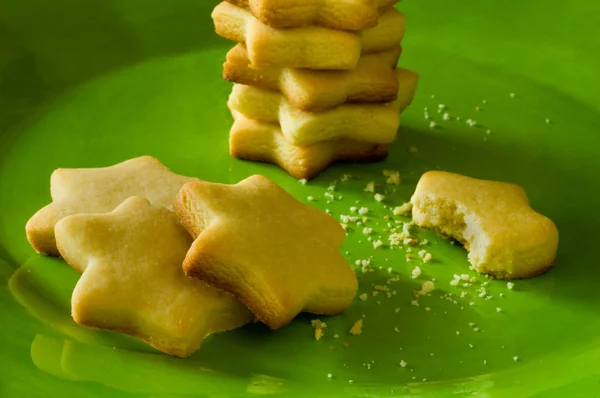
x=264 y=142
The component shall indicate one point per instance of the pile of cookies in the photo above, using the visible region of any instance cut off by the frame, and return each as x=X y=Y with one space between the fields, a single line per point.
x=171 y=278
x=315 y=80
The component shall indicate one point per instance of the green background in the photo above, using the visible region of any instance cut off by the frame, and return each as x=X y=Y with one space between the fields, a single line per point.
x=97 y=83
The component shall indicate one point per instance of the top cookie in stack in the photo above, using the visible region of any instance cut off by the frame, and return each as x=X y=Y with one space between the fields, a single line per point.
x=341 y=15
x=316 y=80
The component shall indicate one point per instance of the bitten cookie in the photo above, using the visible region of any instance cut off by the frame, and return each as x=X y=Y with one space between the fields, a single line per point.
x=373 y=80
x=334 y=14
x=263 y=142
x=310 y=47
x=505 y=237
x=277 y=255
x=100 y=190
x=374 y=123
x=132 y=279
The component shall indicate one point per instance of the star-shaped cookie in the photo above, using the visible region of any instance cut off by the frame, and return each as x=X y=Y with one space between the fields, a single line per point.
x=277 y=255
x=342 y=15
x=100 y=190
x=132 y=279
x=264 y=142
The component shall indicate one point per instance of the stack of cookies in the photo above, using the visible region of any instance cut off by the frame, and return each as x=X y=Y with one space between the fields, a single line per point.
x=315 y=80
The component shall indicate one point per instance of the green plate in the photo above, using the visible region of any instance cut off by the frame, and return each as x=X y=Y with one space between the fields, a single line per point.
x=95 y=85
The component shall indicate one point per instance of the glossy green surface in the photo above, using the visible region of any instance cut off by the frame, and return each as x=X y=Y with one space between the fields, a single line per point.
x=95 y=85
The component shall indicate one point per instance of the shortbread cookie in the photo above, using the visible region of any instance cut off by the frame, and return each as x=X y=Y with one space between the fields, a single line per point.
x=132 y=279
x=374 y=123
x=310 y=47
x=277 y=255
x=505 y=237
x=333 y=14
x=373 y=80
x=100 y=190
x=263 y=142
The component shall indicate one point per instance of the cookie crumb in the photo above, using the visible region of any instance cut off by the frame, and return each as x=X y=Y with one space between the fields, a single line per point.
x=303 y=181
x=379 y=197
x=427 y=287
x=510 y=285
x=403 y=363
x=403 y=209
x=416 y=272
x=363 y=297
x=406 y=228
x=357 y=328
x=393 y=177
x=319 y=326
x=425 y=256
x=370 y=186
